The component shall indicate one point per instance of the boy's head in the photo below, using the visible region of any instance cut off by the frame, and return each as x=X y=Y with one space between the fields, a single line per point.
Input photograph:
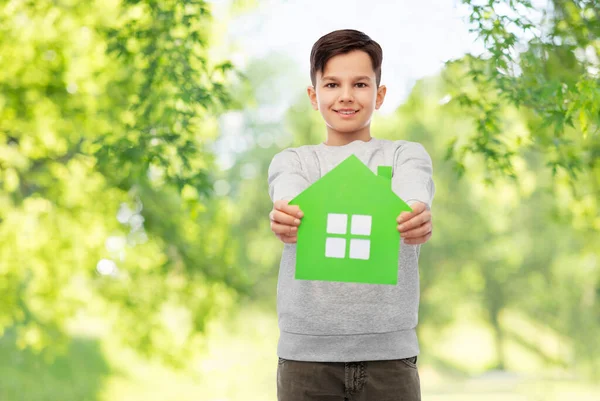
x=345 y=70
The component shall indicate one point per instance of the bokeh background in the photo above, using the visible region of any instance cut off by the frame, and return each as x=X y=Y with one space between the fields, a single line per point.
x=136 y=259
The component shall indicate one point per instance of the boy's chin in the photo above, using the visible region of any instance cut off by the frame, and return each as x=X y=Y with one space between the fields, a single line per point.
x=346 y=128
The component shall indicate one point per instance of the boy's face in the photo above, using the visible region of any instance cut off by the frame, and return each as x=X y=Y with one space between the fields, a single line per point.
x=347 y=82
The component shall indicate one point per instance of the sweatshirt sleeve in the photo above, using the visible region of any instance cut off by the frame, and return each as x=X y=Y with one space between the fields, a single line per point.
x=412 y=178
x=286 y=178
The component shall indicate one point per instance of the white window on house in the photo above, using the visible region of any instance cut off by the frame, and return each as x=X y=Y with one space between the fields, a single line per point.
x=335 y=248
x=360 y=227
x=337 y=223
x=359 y=248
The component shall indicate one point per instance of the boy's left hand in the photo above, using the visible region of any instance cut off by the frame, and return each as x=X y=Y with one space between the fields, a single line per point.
x=415 y=227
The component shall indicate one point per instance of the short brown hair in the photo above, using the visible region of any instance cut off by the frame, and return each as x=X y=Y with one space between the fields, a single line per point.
x=341 y=42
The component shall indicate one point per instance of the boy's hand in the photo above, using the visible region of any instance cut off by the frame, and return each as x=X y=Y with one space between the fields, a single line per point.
x=285 y=220
x=415 y=227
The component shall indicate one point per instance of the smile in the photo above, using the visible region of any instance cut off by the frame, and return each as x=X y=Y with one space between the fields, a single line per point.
x=346 y=113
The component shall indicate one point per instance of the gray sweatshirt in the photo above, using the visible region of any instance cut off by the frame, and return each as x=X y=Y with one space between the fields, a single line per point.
x=328 y=321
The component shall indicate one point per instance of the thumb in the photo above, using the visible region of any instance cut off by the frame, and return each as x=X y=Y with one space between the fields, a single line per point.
x=418 y=207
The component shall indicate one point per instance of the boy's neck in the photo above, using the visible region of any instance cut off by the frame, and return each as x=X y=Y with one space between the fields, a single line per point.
x=341 y=139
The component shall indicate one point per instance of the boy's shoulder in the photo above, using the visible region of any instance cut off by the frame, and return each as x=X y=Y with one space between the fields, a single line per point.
x=301 y=148
x=294 y=152
x=395 y=145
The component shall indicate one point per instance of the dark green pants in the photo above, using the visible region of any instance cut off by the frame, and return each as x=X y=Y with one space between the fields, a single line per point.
x=393 y=380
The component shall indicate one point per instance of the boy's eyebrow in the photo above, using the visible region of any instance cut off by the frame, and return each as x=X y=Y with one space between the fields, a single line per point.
x=332 y=78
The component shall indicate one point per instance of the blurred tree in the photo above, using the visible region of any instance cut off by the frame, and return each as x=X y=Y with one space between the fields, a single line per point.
x=544 y=61
x=106 y=109
x=251 y=136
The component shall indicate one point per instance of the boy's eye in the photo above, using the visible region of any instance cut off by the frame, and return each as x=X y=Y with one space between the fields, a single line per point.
x=360 y=83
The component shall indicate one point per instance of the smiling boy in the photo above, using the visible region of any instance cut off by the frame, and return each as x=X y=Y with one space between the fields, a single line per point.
x=349 y=341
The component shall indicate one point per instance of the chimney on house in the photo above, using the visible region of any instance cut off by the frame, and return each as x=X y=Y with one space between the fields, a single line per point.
x=385 y=172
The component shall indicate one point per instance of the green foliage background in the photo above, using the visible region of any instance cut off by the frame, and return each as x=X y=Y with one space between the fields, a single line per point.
x=123 y=245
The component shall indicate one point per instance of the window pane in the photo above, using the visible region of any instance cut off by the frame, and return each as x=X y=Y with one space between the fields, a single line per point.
x=361 y=224
x=335 y=248
x=360 y=248
x=337 y=223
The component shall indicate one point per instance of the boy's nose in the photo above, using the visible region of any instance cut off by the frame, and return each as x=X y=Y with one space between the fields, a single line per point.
x=346 y=95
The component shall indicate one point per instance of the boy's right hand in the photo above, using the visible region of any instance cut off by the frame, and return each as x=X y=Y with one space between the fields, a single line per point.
x=285 y=220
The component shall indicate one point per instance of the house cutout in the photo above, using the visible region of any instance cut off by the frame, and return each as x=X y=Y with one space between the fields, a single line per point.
x=348 y=232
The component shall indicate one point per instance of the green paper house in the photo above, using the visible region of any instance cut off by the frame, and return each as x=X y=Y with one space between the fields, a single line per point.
x=348 y=232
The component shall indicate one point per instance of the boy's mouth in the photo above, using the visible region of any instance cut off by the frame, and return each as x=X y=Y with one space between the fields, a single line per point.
x=346 y=112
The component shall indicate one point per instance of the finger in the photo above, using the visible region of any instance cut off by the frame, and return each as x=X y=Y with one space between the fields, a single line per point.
x=417 y=232
x=283 y=229
x=415 y=221
x=417 y=208
x=404 y=216
x=292 y=210
x=283 y=218
x=287 y=239
x=418 y=241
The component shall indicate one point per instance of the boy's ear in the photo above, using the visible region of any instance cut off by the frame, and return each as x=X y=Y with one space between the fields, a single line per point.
x=380 y=96
x=312 y=95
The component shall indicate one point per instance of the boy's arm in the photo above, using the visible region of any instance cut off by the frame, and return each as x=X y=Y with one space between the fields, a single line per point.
x=286 y=180
x=286 y=177
x=412 y=179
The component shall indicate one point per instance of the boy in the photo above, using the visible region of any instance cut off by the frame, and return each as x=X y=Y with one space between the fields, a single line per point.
x=349 y=341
